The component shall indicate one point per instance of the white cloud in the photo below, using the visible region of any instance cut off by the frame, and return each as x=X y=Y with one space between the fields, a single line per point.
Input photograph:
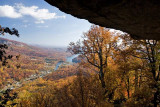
x=19 y=10
x=9 y=11
x=39 y=14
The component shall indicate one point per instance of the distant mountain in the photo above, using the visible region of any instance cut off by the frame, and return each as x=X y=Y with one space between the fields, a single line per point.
x=11 y=42
x=16 y=47
x=51 y=47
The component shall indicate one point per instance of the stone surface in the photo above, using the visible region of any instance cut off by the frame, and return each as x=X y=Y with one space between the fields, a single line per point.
x=139 y=18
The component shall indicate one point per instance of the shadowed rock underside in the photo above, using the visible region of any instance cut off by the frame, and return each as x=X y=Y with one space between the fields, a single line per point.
x=139 y=18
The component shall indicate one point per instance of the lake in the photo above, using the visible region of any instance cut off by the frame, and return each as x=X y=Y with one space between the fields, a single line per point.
x=68 y=59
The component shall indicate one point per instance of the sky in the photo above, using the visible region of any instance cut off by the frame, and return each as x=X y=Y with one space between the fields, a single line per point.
x=39 y=23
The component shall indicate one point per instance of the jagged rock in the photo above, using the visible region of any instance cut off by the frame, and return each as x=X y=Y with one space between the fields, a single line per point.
x=139 y=18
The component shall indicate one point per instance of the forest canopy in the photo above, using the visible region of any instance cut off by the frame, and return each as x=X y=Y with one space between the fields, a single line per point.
x=114 y=70
x=128 y=69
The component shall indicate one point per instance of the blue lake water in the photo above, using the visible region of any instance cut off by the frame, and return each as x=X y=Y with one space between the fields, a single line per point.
x=68 y=59
x=58 y=64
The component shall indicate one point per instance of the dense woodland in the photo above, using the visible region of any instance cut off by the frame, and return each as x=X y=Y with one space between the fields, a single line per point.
x=115 y=70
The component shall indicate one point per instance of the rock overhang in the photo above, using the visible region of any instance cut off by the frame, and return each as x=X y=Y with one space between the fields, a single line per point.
x=139 y=18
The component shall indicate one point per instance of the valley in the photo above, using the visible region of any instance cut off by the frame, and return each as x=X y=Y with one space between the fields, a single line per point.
x=50 y=58
x=105 y=69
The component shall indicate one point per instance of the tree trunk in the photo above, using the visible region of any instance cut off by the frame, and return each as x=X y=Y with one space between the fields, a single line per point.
x=136 y=80
x=140 y=79
x=155 y=99
x=101 y=77
x=82 y=93
x=81 y=85
x=156 y=78
x=128 y=91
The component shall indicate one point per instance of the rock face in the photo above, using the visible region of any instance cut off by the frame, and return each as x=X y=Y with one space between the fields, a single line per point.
x=139 y=18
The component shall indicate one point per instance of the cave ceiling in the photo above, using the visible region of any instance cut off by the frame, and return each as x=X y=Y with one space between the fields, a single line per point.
x=139 y=18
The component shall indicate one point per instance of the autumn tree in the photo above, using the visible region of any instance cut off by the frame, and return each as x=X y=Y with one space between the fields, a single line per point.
x=3 y=47
x=151 y=53
x=3 y=60
x=96 y=47
x=148 y=51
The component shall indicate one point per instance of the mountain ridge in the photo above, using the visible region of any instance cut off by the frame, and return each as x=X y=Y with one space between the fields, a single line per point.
x=16 y=47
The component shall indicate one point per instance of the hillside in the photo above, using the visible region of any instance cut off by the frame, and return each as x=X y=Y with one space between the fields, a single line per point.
x=16 y=47
x=32 y=61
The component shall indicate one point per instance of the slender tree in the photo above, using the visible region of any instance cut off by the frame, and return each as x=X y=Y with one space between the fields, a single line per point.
x=96 y=48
